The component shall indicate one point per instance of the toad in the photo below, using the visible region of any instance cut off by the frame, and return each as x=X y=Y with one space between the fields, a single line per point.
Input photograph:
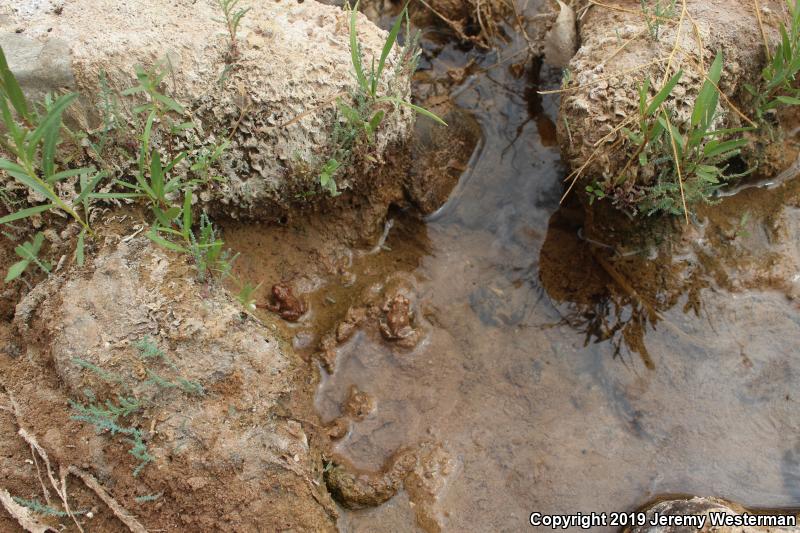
x=288 y=306
x=396 y=323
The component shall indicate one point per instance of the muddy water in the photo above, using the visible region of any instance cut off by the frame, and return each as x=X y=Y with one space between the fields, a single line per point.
x=587 y=391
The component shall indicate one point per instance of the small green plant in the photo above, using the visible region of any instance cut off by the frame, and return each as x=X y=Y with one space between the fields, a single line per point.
x=779 y=77
x=29 y=252
x=245 y=295
x=45 y=510
x=741 y=227
x=655 y=13
x=32 y=136
x=596 y=192
x=364 y=118
x=233 y=16
x=146 y=498
x=105 y=375
x=205 y=161
x=688 y=162
x=105 y=417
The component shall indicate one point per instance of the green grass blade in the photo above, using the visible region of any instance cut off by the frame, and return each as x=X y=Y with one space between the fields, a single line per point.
x=34 y=184
x=387 y=48
x=25 y=213
x=12 y=88
x=355 y=50
x=156 y=175
x=662 y=95
x=89 y=188
x=53 y=118
x=79 y=251
x=161 y=241
x=187 y=213
x=705 y=105
x=421 y=110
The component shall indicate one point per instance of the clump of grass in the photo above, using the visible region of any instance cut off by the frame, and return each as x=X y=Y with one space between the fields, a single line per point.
x=232 y=17
x=688 y=162
x=779 y=77
x=363 y=119
x=655 y=13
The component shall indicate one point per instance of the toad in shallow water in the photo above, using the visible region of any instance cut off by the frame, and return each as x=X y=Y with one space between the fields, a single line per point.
x=396 y=324
x=288 y=306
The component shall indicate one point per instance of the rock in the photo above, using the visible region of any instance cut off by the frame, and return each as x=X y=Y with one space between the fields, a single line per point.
x=562 y=39
x=276 y=100
x=209 y=380
x=697 y=508
x=40 y=67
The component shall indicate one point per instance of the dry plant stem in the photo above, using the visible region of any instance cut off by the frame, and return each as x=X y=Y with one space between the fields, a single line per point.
x=22 y=515
x=757 y=7
x=626 y=10
x=60 y=489
x=676 y=44
x=120 y=512
x=677 y=163
x=325 y=103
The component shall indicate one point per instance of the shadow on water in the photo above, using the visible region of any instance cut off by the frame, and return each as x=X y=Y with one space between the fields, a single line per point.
x=563 y=366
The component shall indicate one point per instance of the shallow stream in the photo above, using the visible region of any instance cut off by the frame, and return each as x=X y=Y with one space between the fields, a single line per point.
x=548 y=390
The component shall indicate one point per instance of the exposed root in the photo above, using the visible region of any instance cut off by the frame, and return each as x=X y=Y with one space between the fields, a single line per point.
x=119 y=511
x=60 y=486
x=22 y=515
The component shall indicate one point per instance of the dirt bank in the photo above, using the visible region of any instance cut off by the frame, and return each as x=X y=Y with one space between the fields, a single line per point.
x=165 y=390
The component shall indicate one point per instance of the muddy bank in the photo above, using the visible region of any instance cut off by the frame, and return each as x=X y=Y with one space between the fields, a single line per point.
x=166 y=391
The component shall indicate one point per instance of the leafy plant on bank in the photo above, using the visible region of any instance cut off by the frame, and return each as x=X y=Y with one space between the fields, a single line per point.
x=363 y=119
x=779 y=77
x=689 y=161
x=32 y=135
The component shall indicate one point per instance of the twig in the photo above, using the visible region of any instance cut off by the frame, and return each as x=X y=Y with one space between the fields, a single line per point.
x=677 y=162
x=120 y=512
x=22 y=514
x=325 y=103
x=757 y=7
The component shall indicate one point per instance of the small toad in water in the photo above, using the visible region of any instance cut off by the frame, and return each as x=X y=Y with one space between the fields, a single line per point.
x=396 y=324
x=284 y=303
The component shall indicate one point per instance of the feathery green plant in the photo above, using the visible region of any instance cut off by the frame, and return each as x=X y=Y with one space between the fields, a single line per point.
x=45 y=510
x=105 y=417
x=233 y=16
